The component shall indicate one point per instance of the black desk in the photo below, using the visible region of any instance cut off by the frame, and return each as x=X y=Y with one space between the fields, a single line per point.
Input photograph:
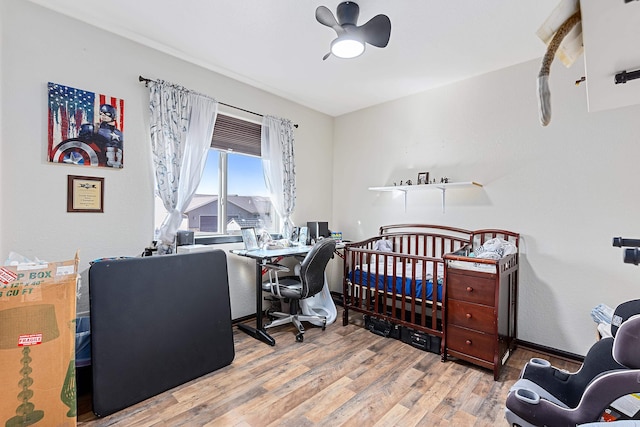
x=262 y=257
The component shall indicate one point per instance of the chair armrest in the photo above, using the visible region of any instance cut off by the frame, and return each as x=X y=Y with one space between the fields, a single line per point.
x=276 y=267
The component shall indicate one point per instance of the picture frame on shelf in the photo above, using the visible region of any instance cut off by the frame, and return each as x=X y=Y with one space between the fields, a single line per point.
x=302 y=237
x=249 y=238
x=423 y=178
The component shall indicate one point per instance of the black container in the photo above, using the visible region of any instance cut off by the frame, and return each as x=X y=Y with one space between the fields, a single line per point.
x=381 y=327
x=420 y=340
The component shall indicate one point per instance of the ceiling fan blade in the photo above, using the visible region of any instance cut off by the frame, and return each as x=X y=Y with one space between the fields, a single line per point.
x=325 y=17
x=376 y=31
x=348 y=13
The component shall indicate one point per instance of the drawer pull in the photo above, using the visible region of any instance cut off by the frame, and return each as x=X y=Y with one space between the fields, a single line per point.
x=469 y=289
x=469 y=316
x=468 y=342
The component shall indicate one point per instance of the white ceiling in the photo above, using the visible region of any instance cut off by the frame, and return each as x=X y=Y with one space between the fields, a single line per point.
x=277 y=45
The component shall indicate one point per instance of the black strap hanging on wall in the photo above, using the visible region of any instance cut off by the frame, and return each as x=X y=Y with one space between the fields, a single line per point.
x=146 y=81
x=624 y=76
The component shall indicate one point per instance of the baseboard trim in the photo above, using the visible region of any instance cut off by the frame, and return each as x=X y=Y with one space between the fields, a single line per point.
x=550 y=351
x=538 y=348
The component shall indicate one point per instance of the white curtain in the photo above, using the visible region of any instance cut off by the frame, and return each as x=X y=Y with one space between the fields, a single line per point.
x=279 y=168
x=182 y=124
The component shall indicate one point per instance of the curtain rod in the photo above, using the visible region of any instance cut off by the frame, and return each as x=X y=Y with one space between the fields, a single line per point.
x=146 y=80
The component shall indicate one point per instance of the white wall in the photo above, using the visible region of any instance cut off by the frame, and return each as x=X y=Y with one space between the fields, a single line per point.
x=568 y=188
x=40 y=46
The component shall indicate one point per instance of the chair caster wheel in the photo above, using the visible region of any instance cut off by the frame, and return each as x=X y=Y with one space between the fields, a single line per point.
x=300 y=338
x=324 y=325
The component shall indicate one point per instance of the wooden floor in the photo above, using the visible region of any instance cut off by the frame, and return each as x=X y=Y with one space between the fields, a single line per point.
x=344 y=375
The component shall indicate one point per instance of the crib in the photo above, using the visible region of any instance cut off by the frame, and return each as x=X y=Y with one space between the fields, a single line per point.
x=398 y=278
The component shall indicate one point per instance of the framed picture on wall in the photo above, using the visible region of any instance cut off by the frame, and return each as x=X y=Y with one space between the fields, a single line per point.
x=423 y=178
x=85 y=128
x=85 y=194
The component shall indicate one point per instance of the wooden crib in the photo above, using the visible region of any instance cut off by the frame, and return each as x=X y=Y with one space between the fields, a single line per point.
x=398 y=278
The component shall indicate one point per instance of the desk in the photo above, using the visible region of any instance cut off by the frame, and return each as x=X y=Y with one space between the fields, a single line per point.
x=262 y=257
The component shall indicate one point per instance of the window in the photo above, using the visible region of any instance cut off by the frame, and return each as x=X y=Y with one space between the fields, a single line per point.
x=232 y=193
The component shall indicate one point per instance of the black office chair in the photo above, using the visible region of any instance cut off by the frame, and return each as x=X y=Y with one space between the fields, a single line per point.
x=292 y=289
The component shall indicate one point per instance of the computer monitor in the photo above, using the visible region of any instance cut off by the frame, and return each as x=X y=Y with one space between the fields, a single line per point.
x=317 y=229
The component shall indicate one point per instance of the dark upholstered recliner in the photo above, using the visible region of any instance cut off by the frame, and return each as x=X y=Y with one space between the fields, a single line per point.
x=309 y=282
x=547 y=396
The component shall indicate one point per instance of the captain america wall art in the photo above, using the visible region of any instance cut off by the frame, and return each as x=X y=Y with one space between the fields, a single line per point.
x=85 y=128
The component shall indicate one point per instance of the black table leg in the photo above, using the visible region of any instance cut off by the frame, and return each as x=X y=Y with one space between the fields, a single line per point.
x=258 y=332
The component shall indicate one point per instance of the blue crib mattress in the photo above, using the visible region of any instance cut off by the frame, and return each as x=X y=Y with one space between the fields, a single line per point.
x=396 y=284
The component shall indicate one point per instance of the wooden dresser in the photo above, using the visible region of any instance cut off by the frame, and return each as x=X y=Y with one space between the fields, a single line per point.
x=481 y=301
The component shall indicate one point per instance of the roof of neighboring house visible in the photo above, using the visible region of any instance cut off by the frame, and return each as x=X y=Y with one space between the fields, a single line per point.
x=200 y=200
x=252 y=204
x=235 y=225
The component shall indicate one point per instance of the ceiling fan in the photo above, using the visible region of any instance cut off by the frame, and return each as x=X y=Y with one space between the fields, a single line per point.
x=351 y=37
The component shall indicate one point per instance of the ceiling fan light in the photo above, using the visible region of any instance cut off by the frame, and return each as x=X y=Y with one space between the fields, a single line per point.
x=346 y=47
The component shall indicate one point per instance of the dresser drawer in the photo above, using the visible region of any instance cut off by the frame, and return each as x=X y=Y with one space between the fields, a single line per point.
x=471 y=316
x=472 y=343
x=472 y=289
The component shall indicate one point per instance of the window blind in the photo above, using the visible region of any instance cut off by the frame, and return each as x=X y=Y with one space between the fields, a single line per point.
x=237 y=135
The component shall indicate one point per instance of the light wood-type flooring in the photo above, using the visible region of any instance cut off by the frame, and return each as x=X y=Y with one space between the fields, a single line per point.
x=343 y=376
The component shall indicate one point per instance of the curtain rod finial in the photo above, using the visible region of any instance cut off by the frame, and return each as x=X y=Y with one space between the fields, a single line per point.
x=145 y=80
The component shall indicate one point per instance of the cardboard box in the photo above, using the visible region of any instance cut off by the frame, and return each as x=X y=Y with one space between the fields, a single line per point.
x=37 y=344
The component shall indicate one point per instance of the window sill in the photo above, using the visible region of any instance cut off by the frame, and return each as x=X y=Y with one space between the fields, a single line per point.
x=221 y=239
x=217 y=240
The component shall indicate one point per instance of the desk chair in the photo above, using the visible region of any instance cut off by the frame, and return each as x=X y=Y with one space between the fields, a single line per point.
x=309 y=283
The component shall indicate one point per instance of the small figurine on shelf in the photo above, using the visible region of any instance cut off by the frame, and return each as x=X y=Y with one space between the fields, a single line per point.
x=400 y=182
x=409 y=182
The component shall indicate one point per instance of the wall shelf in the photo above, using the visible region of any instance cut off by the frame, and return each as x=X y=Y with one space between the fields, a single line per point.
x=424 y=187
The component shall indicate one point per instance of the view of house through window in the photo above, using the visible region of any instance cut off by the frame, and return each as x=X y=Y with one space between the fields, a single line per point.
x=247 y=199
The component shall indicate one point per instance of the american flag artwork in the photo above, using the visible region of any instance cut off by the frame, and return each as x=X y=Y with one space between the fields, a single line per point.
x=85 y=128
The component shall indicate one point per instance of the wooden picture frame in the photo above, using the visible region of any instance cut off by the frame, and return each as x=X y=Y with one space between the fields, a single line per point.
x=85 y=194
x=423 y=178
